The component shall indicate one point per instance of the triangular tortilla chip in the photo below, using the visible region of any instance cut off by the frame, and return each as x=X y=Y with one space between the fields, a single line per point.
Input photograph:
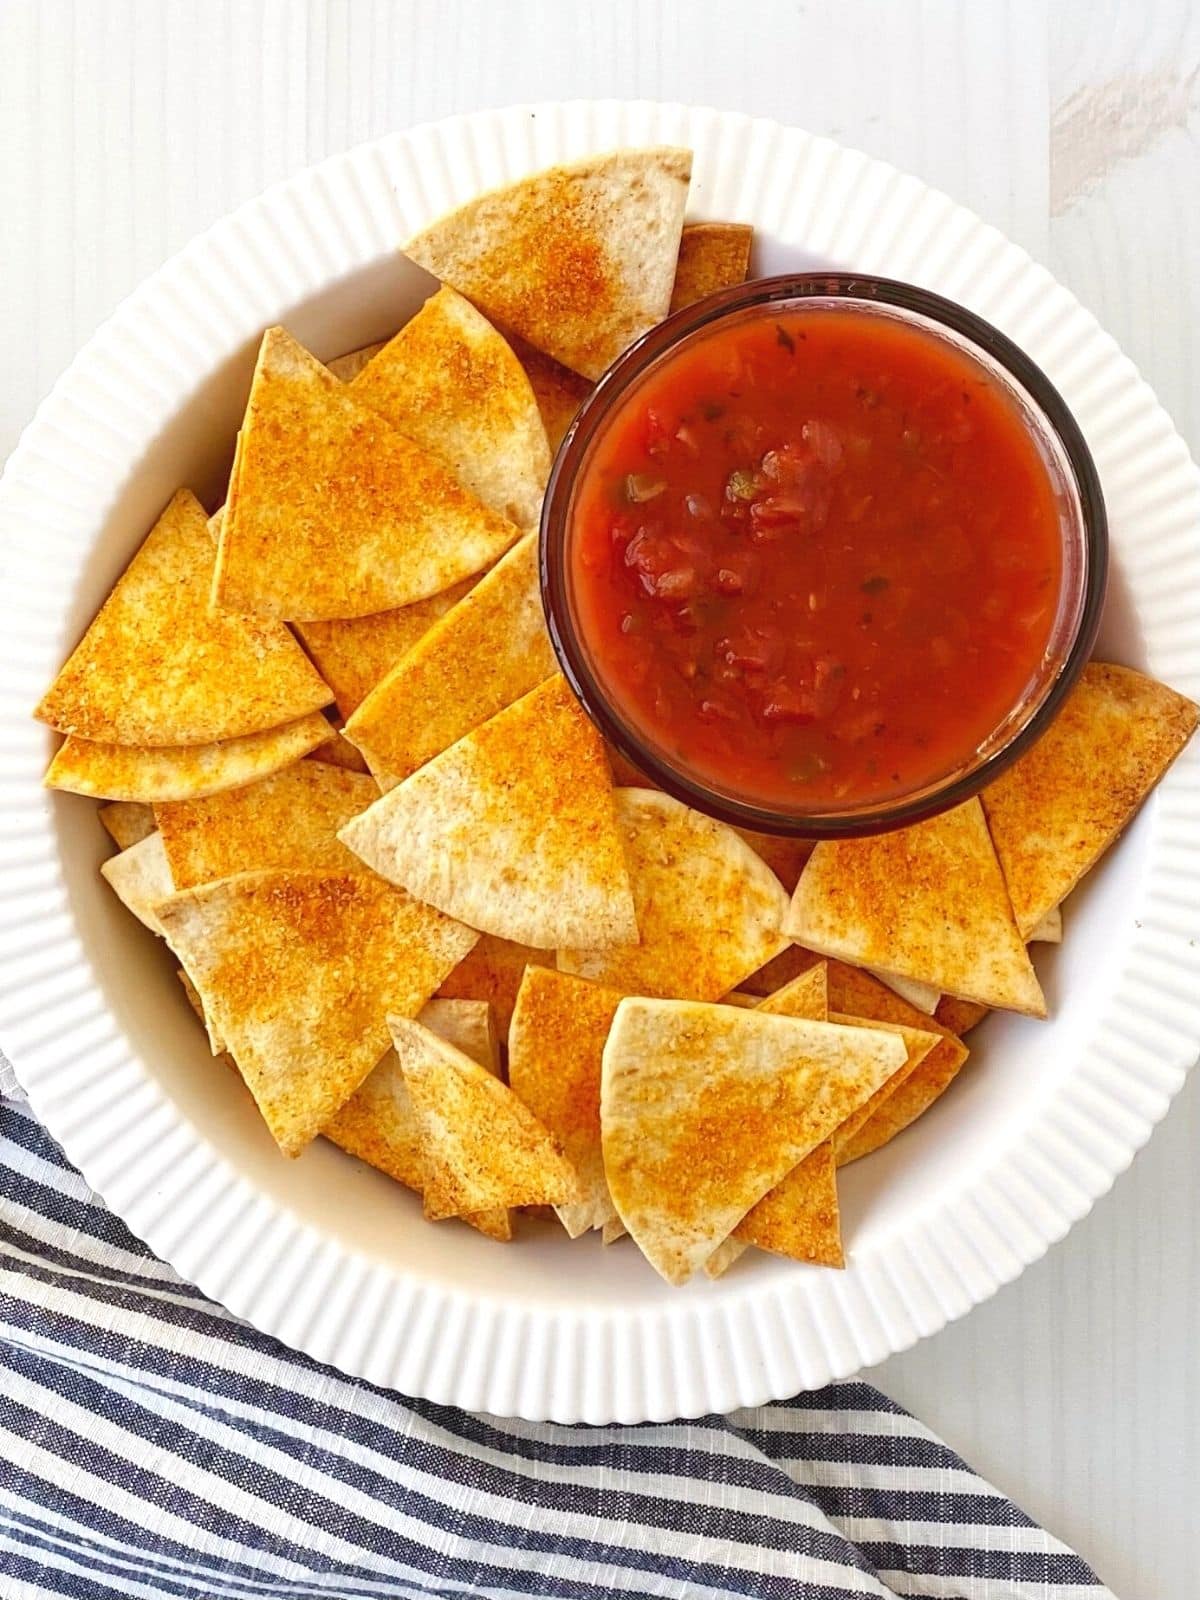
x=614 y=1230
x=181 y=772
x=712 y=256
x=451 y=383
x=959 y=1016
x=559 y=392
x=1047 y=929
x=379 y=1125
x=921 y=995
x=353 y=654
x=482 y=1147
x=919 y=1044
x=805 y=996
x=493 y=972
x=346 y=368
x=708 y=908
x=906 y=1103
x=298 y=971
x=140 y=877
x=799 y=1218
x=339 y=752
x=704 y=1108
x=512 y=829
x=555 y=1044
x=288 y=820
x=127 y=821
x=1055 y=812
x=155 y=668
x=925 y=902
x=579 y=259
x=487 y=652
x=332 y=512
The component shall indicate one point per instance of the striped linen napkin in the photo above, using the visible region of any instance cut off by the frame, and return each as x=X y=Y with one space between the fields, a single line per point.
x=152 y=1445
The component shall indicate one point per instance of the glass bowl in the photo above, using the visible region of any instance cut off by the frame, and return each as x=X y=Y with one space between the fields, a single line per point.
x=1082 y=526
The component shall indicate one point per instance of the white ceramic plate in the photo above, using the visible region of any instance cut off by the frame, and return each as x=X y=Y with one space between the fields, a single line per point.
x=331 y=1257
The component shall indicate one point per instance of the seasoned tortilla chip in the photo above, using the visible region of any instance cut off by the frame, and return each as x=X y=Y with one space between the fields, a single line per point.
x=579 y=259
x=806 y=995
x=930 y=1080
x=614 y=1230
x=1048 y=929
x=298 y=971
x=346 y=368
x=290 y=819
x=491 y=649
x=334 y=513
x=181 y=772
x=378 y=1124
x=155 y=668
x=925 y=902
x=798 y=1218
x=1055 y=812
x=709 y=910
x=353 y=654
x=559 y=392
x=921 y=995
x=704 y=1108
x=450 y=382
x=339 y=752
x=512 y=829
x=482 y=1148
x=712 y=256
x=919 y=1044
x=140 y=877
x=959 y=1016
x=215 y=1042
x=555 y=1043
x=127 y=821
x=492 y=971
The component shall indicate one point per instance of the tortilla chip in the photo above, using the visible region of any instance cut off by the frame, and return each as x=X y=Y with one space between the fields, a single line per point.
x=921 y=995
x=559 y=392
x=959 y=1016
x=181 y=772
x=579 y=259
x=493 y=972
x=798 y=1218
x=555 y=1044
x=127 y=821
x=379 y=1125
x=334 y=513
x=487 y=652
x=704 y=1108
x=1049 y=929
x=215 y=1042
x=925 y=902
x=931 y=1080
x=290 y=819
x=449 y=382
x=511 y=830
x=614 y=1230
x=708 y=909
x=1055 y=812
x=712 y=256
x=339 y=752
x=298 y=971
x=789 y=964
x=154 y=668
x=482 y=1147
x=805 y=996
x=919 y=1044
x=353 y=654
x=346 y=368
x=140 y=877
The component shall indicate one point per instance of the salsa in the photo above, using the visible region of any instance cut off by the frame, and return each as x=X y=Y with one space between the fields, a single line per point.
x=815 y=557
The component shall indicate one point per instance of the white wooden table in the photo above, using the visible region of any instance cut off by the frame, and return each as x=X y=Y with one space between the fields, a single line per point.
x=127 y=125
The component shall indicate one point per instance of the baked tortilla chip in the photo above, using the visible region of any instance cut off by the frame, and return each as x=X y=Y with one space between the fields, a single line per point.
x=346 y=368
x=1047 y=929
x=925 y=902
x=559 y=392
x=298 y=970
x=140 y=877
x=704 y=1108
x=709 y=910
x=959 y=1016
x=452 y=384
x=339 y=752
x=491 y=649
x=807 y=995
x=1055 y=812
x=511 y=830
x=181 y=772
x=379 y=1125
x=155 y=668
x=921 y=995
x=127 y=821
x=798 y=1218
x=332 y=512
x=493 y=971
x=931 y=1080
x=712 y=256
x=482 y=1148
x=290 y=819
x=579 y=259
x=555 y=1044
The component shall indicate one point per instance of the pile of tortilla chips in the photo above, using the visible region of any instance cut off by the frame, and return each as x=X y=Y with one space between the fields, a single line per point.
x=462 y=941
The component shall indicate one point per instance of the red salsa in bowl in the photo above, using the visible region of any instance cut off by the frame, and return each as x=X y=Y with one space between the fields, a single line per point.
x=818 y=559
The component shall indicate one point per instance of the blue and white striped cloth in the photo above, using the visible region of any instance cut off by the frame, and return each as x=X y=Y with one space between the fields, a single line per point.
x=151 y=1445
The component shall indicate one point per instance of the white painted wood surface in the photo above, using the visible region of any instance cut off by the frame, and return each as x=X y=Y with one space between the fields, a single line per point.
x=128 y=125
